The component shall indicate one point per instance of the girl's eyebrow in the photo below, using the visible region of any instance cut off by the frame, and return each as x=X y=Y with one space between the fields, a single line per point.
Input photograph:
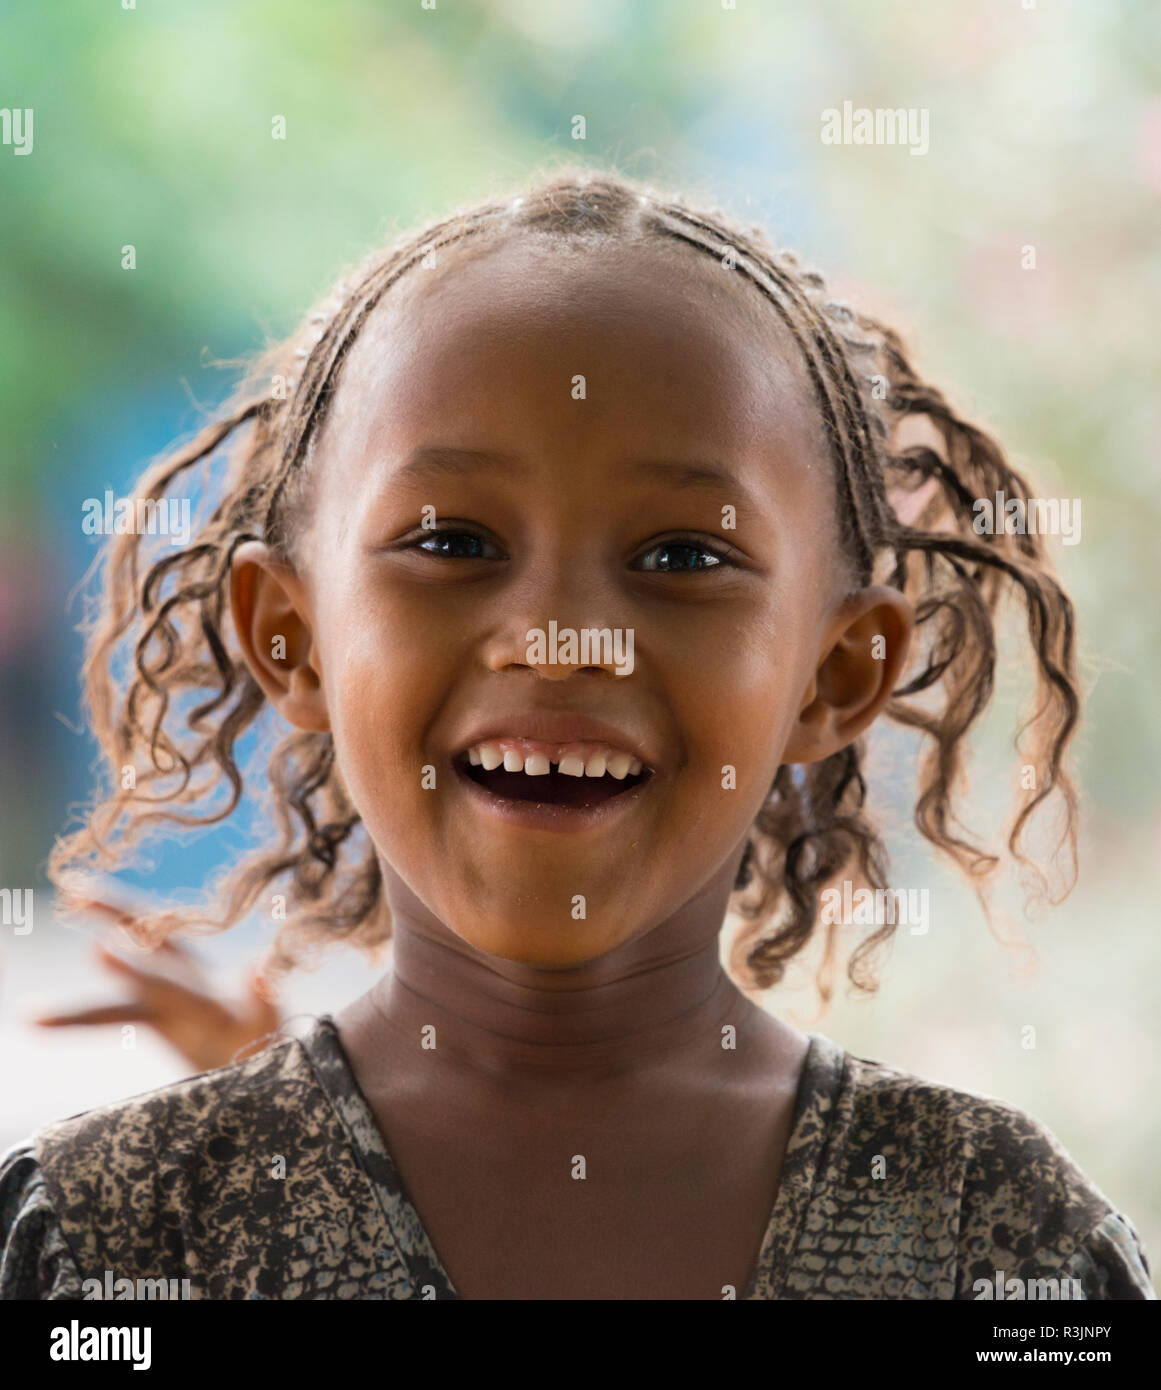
x=428 y=461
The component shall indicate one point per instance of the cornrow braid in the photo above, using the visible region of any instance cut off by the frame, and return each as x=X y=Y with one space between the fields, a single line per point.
x=826 y=363
x=324 y=360
x=812 y=829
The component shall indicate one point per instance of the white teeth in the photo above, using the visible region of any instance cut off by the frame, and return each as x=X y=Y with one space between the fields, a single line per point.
x=490 y=756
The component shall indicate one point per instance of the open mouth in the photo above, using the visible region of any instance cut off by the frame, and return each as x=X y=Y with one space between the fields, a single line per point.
x=554 y=788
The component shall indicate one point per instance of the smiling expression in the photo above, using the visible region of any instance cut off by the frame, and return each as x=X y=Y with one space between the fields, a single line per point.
x=608 y=440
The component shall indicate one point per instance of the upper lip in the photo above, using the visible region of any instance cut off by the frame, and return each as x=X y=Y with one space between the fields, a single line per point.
x=550 y=726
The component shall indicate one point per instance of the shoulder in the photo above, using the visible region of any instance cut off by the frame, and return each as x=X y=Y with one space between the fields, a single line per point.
x=986 y=1189
x=35 y=1260
x=190 y=1180
x=986 y=1143
x=204 y=1118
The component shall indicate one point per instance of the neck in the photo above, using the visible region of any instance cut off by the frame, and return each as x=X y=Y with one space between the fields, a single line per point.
x=658 y=998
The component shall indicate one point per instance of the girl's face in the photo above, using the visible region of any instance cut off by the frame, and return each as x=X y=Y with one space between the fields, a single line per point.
x=539 y=408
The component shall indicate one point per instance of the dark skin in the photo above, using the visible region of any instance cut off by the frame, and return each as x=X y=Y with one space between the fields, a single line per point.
x=558 y=1037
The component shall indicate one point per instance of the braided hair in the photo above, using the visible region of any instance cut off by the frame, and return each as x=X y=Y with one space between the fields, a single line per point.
x=812 y=828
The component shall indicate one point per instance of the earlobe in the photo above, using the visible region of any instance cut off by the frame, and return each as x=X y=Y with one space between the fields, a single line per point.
x=272 y=621
x=861 y=662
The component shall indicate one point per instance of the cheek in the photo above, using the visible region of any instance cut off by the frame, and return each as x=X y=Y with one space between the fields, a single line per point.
x=739 y=692
x=383 y=683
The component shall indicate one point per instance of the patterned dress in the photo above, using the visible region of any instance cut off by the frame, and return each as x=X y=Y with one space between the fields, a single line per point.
x=269 y=1179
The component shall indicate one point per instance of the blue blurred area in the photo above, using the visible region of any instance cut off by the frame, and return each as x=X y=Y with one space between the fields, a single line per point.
x=146 y=423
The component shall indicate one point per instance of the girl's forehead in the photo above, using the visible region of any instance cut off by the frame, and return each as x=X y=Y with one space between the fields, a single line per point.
x=598 y=284
x=636 y=328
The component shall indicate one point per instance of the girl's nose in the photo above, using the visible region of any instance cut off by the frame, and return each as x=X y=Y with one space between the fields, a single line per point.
x=561 y=616
x=556 y=651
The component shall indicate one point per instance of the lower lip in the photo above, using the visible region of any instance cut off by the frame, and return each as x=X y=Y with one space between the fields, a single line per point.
x=537 y=815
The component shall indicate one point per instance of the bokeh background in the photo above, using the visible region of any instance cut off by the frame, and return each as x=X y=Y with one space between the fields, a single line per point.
x=153 y=127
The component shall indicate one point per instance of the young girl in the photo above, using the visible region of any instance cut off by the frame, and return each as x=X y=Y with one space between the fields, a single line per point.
x=569 y=537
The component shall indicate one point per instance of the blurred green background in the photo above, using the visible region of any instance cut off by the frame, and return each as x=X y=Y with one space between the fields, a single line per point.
x=153 y=127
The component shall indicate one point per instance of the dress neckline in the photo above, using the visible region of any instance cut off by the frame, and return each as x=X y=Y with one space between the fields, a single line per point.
x=819 y=1087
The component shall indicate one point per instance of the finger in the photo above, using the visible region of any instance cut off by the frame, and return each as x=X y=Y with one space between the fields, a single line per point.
x=109 y=1013
x=110 y=958
x=262 y=987
x=118 y=912
x=162 y=995
x=122 y=966
x=178 y=949
x=189 y=970
x=264 y=1015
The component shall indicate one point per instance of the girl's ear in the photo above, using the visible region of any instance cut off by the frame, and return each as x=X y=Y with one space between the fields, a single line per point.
x=861 y=659
x=272 y=618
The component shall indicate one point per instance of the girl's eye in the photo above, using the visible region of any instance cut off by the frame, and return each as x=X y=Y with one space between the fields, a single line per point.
x=442 y=537
x=674 y=552
x=675 y=556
